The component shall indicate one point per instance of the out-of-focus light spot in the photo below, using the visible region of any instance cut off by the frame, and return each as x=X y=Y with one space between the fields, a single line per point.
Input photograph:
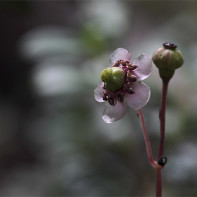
x=47 y=42
x=55 y=79
x=109 y=16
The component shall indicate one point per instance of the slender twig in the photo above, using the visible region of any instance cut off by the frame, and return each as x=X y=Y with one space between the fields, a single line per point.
x=146 y=139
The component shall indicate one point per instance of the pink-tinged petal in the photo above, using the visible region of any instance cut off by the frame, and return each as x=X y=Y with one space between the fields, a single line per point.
x=144 y=63
x=98 y=92
x=120 y=54
x=140 y=97
x=113 y=113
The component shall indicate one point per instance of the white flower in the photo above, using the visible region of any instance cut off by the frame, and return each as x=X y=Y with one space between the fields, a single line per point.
x=133 y=92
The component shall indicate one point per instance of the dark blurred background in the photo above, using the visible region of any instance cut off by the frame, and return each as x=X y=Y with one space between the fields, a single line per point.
x=53 y=141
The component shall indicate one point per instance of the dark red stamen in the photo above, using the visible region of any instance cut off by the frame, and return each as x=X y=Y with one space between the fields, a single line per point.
x=124 y=63
x=131 y=77
x=130 y=90
x=111 y=101
x=132 y=67
x=105 y=97
x=120 y=97
x=116 y=64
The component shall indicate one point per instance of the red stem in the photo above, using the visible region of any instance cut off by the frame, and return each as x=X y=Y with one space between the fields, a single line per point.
x=162 y=118
x=162 y=137
x=158 y=182
x=155 y=164
x=146 y=139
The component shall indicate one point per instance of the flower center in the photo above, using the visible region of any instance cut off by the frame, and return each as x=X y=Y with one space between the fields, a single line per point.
x=129 y=78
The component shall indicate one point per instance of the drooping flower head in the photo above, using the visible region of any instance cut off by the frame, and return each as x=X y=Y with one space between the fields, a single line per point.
x=121 y=84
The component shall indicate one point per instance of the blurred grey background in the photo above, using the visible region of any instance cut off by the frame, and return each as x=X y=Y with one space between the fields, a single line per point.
x=53 y=141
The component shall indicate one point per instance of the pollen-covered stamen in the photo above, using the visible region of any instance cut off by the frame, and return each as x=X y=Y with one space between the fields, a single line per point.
x=131 y=77
x=109 y=96
x=128 y=64
x=124 y=63
x=132 y=67
x=105 y=97
x=116 y=64
x=111 y=101
x=106 y=94
x=120 y=97
x=128 y=88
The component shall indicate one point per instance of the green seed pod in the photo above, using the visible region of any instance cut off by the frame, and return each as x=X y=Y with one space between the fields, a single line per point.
x=167 y=59
x=113 y=78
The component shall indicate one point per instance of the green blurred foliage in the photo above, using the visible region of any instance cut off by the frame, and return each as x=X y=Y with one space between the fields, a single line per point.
x=93 y=40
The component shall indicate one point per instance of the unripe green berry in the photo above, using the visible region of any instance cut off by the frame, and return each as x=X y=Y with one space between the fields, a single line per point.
x=167 y=59
x=113 y=78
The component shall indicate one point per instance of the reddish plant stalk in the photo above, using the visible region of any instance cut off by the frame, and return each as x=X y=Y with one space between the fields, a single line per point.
x=162 y=118
x=155 y=165
x=146 y=139
x=158 y=182
x=162 y=136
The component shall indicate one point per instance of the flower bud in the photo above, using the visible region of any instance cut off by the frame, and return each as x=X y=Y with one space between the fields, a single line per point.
x=167 y=59
x=113 y=78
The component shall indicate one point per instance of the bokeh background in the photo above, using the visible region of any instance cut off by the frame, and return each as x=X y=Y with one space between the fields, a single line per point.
x=53 y=141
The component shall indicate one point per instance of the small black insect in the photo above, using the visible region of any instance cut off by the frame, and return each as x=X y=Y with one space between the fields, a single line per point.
x=162 y=161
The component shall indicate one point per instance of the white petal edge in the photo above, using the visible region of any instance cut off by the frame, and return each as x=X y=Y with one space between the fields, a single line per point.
x=98 y=92
x=113 y=113
x=140 y=97
x=120 y=53
x=144 y=63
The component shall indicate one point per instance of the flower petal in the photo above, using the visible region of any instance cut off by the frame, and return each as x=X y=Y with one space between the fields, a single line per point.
x=144 y=63
x=113 y=113
x=98 y=92
x=140 y=97
x=120 y=54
